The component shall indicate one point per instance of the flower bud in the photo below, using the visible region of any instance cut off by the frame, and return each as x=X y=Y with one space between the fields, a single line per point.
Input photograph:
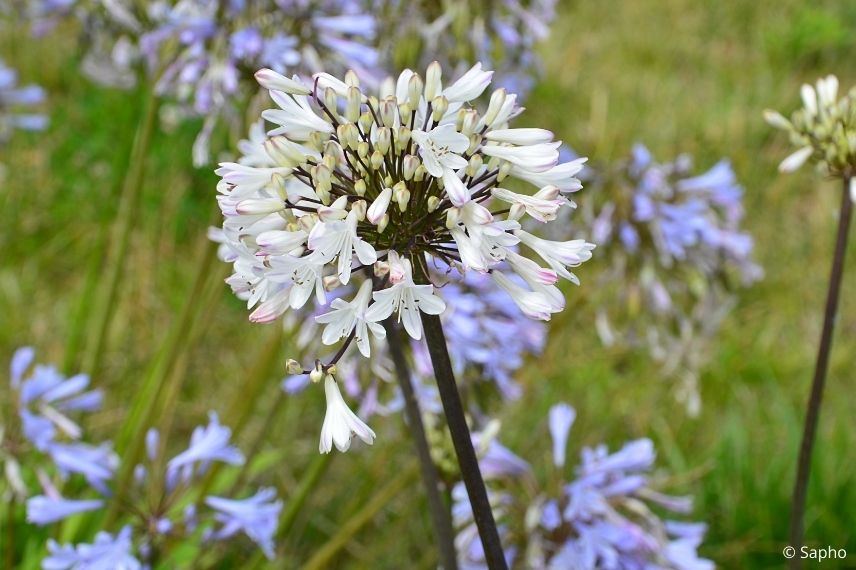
x=272 y=80
x=440 y=105
x=404 y=110
x=504 y=169
x=409 y=165
x=420 y=173
x=376 y=160
x=293 y=367
x=317 y=373
x=403 y=138
x=475 y=164
x=414 y=90
x=475 y=142
x=384 y=221
x=363 y=149
x=433 y=202
x=366 y=121
x=388 y=111
x=330 y=101
x=307 y=222
x=471 y=117
x=433 y=83
x=379 y=206
x=360 y=187
x=352 y=109
x=497 y=100
x=384 y=139
x=359 y=208
x=351 y=78
x=401 y=195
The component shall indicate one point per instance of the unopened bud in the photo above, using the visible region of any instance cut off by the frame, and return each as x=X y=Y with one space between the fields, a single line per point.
x=475 y=164
x=352 y=109
x=360 y=187
x=440 y=105
x=414 y=90
x=497 y=100
x=409 y=165
x=384 y=139
x=384 y=221
x=317 y=373
x=376 y=160
x=366 y=121
x=433 y=78
x=351 y=78
x=452 y=217
x=330 y=100
x=359 y=208
x=363 y=149
x=293 y=367
x=504 y=169
x=433 y=202
x=387 y=111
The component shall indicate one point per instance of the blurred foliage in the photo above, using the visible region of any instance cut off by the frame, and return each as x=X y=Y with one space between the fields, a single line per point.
x=678 y=75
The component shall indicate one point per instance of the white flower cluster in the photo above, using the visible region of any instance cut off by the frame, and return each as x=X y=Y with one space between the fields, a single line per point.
x=824 y=130
x=350 y=183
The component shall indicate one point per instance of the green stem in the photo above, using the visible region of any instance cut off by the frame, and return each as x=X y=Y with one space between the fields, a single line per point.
x=121 y=236
x=439 y=512
x=131 y=438
x=307 y=483
x=324 y=556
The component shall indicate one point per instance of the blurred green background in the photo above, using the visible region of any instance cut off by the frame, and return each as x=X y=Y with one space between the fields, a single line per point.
x=677 y=75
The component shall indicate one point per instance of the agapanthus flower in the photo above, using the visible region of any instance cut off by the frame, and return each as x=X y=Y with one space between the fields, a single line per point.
x=606 y=516
x=200 y=53
x=107 y=552
x=206 y=49
x=169 y=518
x=675 y=254
x=257 y=517
x=823 y=130
x=502 y=35
x=382 y=188
x=13 y=100
x=47 y=404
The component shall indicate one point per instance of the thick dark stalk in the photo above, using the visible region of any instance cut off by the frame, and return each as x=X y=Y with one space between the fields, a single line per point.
x=437 y=508
x=814 y=402
x=461 y=439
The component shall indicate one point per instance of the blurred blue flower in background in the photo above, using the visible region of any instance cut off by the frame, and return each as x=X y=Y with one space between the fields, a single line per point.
x=674 y=253
x=13 y=98
x=107 y=552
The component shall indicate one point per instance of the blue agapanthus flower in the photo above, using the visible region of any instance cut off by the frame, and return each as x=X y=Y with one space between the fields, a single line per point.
x=503 y=35
x=107 y=552
x=171 y=518
x=15 y=100
x=47 y=435
x=674 y=252
x=605 y=516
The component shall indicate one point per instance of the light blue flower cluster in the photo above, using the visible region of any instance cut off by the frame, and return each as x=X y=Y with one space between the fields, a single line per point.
x=503 y=35
x=202 y=54
x=602 y=518
x=13 y=98
x=675 y=251
x=45 y=401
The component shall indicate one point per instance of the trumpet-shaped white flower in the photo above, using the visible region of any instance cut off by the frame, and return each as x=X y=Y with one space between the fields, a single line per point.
x=340 y=423
x=339 y=239
x=351 y=316
x=407 y=298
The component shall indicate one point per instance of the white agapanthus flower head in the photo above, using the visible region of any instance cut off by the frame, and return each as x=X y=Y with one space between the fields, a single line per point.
x=823 y=130
x=343 y=184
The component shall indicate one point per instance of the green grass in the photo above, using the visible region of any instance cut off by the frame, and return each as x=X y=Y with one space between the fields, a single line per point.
x=678 y=75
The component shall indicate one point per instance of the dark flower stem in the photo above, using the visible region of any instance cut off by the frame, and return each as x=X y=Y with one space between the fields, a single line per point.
x=816 y=396
x=439 y=512
x=457 y=421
